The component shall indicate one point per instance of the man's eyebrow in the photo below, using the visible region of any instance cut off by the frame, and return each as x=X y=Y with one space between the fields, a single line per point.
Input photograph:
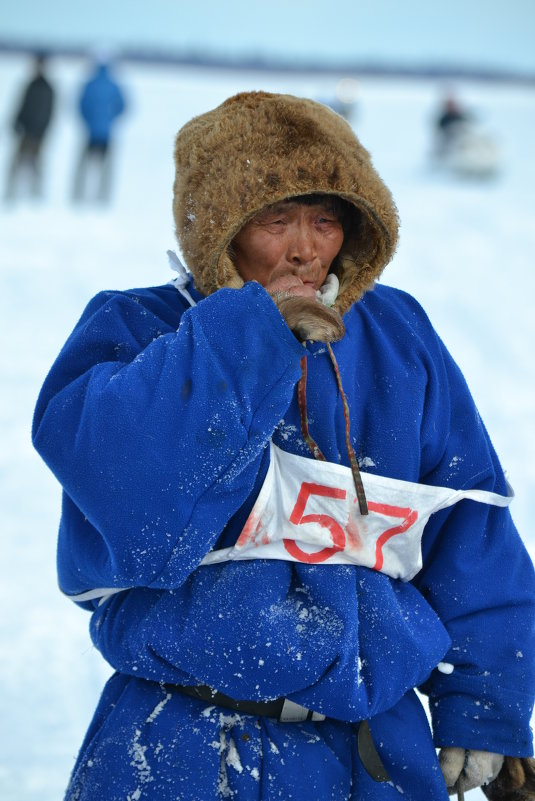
x=277 y=208
x=285 y=205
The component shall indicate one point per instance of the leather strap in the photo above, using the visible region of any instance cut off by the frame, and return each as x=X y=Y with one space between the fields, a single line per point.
x=368 y=754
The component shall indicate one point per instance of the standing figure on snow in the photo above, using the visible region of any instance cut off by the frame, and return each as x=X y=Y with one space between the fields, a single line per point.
x=30 y=126
x=101 y=103
x=281 y=507
x=450 y=122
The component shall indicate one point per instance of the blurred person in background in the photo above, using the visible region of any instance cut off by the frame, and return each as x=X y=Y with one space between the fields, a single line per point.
x=101 y=104
x=451 y=120
x=268 y=607
x=344 y=100
x=30 y=125
x=462 y=146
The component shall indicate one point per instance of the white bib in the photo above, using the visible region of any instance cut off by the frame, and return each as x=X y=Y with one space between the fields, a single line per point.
x=307 y=511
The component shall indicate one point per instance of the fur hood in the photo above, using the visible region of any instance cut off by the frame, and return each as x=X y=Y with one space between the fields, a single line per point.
x=256 y=149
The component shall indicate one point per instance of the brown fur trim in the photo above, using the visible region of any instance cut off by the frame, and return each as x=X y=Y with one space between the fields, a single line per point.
x=308 y=319
x=230 y=276
x=515 y=781
x=256 y=149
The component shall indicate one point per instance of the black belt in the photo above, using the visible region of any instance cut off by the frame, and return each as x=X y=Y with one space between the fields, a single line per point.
x=287 y=711
x=281 y=709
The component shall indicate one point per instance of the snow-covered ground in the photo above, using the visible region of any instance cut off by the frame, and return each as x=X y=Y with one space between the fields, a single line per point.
x=466 y=252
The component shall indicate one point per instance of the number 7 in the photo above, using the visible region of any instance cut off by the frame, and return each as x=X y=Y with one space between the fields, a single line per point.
x=409 y=516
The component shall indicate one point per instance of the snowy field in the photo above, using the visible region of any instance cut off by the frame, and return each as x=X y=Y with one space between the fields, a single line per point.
x=466 y=252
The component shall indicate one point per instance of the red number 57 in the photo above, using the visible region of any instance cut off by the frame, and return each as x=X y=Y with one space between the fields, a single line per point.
x=407 y=515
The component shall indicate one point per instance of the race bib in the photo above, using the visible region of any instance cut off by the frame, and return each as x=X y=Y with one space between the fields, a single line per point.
x=307 y=511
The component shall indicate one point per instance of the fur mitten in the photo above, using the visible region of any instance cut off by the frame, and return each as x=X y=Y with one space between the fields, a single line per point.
x=309 y=319
x=464 y=770
x=515 y=781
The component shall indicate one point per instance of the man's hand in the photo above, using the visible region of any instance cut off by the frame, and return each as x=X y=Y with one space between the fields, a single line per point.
x=304 y=314
x=309 y=319
x=515 y=781
x=464 y=770
x=291 y=285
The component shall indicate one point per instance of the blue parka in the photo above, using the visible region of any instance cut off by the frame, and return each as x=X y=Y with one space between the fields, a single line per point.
x=101 y=102
x=156 y=420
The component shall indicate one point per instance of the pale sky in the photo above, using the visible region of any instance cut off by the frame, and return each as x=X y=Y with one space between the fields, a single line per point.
x=471 y=33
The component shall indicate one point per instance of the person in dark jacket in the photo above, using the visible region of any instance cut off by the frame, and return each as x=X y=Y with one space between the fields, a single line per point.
x=451 y=121
x=101 y=103
x=30 y=125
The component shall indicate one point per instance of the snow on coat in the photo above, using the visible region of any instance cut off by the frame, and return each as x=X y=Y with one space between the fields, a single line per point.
x=156 y=475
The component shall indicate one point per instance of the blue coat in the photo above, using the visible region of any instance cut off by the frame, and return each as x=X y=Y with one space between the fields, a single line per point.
x=101 y=103
x=155 y=419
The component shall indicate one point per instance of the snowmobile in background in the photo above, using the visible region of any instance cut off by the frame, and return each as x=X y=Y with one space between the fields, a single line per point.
x=462 y=146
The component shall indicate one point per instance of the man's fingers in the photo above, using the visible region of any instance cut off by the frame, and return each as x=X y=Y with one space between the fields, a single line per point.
x=291 y=285
x=452 y=762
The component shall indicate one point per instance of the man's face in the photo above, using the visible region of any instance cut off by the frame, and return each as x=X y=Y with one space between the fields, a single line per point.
x=289 y=247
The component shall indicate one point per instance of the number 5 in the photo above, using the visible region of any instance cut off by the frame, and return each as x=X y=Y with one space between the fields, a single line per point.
x=297 y=517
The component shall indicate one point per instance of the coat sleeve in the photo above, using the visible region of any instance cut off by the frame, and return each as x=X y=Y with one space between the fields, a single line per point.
x=157 y=435
x=478 y=577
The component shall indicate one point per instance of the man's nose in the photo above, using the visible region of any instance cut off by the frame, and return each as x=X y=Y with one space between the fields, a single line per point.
x=302 y=246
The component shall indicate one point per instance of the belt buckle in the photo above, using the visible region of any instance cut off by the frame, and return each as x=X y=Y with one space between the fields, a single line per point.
x=295 y=713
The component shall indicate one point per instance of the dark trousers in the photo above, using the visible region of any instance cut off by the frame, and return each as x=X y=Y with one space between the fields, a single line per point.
x=92 y=177
x=26 y=159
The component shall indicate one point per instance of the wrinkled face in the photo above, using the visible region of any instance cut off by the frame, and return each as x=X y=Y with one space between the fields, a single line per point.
x=289 y=246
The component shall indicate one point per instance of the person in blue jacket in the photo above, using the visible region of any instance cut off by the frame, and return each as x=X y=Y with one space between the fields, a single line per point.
x=281 y=507
x=101 y=103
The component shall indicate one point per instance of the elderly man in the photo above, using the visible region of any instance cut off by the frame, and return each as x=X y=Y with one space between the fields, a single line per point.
x=280 y=504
